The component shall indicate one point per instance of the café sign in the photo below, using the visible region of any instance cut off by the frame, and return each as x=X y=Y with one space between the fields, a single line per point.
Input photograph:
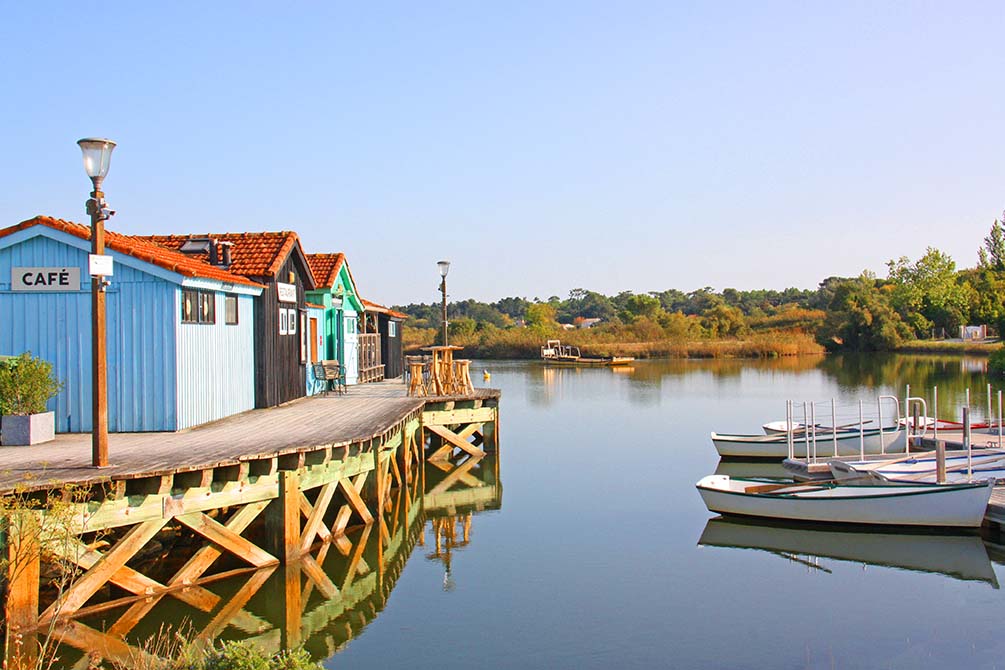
x=45 y=279
x=287 y=292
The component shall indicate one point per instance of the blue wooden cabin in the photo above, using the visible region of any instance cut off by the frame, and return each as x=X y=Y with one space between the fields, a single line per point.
x=180 y=336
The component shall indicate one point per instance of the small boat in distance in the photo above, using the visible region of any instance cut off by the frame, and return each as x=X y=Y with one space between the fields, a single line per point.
x=556 y=353
x=916 y=505
x=776 y=445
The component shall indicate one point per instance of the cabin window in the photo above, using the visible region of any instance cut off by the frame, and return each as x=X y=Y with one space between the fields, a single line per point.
x=291 y=319
x=392 y=329
x=283 y=321
x=350 y=325
x=230 y=310
x=198 y=306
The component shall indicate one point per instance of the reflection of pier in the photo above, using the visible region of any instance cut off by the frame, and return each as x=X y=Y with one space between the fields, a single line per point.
x=270 y=526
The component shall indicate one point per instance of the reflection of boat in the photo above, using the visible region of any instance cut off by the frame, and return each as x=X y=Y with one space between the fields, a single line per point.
x=924 y=505
x=777 y=445
x=959 y=556
x=556 y=353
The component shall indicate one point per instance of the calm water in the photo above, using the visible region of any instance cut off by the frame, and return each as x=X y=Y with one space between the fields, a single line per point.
x=596 y=551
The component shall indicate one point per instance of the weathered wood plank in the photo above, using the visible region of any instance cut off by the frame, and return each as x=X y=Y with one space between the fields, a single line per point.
x=218 y=534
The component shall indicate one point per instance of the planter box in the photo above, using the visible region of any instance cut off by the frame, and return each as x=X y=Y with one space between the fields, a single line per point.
x=20 y=431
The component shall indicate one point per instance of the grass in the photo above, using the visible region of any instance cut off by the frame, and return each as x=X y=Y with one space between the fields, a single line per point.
x=949 y=347
x=525 y=343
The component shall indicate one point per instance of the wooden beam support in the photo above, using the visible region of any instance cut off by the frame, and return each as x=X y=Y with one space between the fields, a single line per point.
x=223 y=537
x=316 y=519
x=92 y=580
x=204 y=557
x=282 y=520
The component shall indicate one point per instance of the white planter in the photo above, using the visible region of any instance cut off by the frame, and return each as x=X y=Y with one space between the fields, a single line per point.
x=24 y=430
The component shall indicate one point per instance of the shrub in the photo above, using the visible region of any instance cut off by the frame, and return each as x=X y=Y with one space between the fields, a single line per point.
x=26 y=385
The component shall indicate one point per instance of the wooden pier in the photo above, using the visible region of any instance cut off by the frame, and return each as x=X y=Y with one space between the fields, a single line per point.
x=272 y=487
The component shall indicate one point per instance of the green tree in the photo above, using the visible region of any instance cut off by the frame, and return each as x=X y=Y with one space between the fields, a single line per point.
x=861 y=318
x=722 y=320
x=992 y=254
x=929 y=288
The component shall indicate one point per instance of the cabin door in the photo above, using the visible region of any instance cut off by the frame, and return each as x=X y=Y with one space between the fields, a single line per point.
x=314 y=340
x=351 y=361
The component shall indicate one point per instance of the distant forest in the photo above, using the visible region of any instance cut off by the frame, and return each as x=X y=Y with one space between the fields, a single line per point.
x=916 y=300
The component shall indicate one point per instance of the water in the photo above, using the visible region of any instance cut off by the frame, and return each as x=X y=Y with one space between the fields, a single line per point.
x=596 y=550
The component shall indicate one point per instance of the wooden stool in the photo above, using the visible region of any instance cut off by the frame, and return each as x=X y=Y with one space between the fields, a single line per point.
x=462 y=377
x=417 y=386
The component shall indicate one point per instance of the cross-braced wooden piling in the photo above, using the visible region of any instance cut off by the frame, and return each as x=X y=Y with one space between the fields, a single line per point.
x=242 y=496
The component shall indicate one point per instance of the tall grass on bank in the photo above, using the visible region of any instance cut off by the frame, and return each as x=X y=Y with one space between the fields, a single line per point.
x=525 y=343
x=944 y=347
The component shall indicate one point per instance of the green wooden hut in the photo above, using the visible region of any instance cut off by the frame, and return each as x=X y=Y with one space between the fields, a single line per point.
x=343 y=310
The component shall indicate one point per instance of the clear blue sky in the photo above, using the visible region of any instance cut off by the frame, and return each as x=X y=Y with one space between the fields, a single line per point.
x=539 y=146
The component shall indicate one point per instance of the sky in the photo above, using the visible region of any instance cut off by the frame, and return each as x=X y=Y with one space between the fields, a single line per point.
x=538 y=146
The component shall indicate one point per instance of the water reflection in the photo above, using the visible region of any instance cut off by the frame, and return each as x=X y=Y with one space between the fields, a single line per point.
x=961 y=557
x=322 y=601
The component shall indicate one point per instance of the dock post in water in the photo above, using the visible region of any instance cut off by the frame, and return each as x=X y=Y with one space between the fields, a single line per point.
x=966 y=441
x=940 y=462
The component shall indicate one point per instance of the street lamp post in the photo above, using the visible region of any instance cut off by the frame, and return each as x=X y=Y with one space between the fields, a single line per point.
x=444 y=269
x=97 y=156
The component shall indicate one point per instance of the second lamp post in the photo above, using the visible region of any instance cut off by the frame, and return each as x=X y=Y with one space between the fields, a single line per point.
x=444 y=269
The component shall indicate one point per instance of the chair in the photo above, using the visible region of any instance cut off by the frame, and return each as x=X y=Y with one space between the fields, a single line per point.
x=334 y=376
x=320 y=379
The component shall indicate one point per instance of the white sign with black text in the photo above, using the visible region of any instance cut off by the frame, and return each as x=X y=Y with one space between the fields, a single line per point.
x=286 y=292
x=45 y=279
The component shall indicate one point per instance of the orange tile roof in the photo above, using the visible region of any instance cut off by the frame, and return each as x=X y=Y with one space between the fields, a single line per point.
x=252 y=254
x=325 y=268
x=314 y=305
x=380 y=308
x=140 y=248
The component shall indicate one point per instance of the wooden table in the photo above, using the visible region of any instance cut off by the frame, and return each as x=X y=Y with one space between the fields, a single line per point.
x=442 y=372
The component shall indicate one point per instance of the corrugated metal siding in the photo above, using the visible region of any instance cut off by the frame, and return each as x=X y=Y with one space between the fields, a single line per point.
x=57 y=327
x=216 y=365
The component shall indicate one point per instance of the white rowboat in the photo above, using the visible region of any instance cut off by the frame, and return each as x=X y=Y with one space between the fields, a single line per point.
x=919 y=505
x=777 y=446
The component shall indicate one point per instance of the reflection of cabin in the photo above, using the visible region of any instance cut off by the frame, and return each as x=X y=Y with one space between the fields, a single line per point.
x=388 y=325
x=281 y=327
x=180 y=337
x=336 y=291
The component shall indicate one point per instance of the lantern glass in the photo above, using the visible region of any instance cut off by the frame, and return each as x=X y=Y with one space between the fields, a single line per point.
x=97 y=156
x=444 y=268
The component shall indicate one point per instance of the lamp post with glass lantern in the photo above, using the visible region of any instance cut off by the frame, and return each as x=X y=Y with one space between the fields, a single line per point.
x=444 y=269
x=97 y=156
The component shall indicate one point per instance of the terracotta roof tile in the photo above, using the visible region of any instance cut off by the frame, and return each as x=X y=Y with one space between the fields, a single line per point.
x=314 y=305
x=141 y=248
x=252 y=254
x=325 y=268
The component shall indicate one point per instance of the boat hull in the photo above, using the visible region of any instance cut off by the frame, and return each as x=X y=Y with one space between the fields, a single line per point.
x=589 y=362
x=777 y=446
x=900 y=505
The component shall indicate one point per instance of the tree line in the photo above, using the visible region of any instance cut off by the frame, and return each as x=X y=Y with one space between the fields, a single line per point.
x=916 y=300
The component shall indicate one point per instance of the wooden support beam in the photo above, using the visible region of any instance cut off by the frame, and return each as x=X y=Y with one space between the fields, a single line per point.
x=323 y=532
x=23 y=555
x=458 y=474
x=351 y=493
x=282 y=520
x=453 y=438
x=223 y=537
x=204 y=557
x=92 y=580
x=316 y=519
x=317 y=576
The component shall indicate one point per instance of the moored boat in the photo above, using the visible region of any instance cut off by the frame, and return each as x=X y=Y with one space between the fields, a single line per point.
x=556 y=353
x=849 y=443
x=917 y=505
x=921 y=467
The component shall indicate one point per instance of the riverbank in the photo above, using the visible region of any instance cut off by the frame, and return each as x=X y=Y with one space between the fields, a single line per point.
x=524 y=344
x=985 y=348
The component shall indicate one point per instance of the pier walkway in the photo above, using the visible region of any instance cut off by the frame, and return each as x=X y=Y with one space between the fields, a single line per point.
x=368 y=410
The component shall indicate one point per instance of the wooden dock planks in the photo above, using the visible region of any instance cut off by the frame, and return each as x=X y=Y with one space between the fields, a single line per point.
x=366 y=412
